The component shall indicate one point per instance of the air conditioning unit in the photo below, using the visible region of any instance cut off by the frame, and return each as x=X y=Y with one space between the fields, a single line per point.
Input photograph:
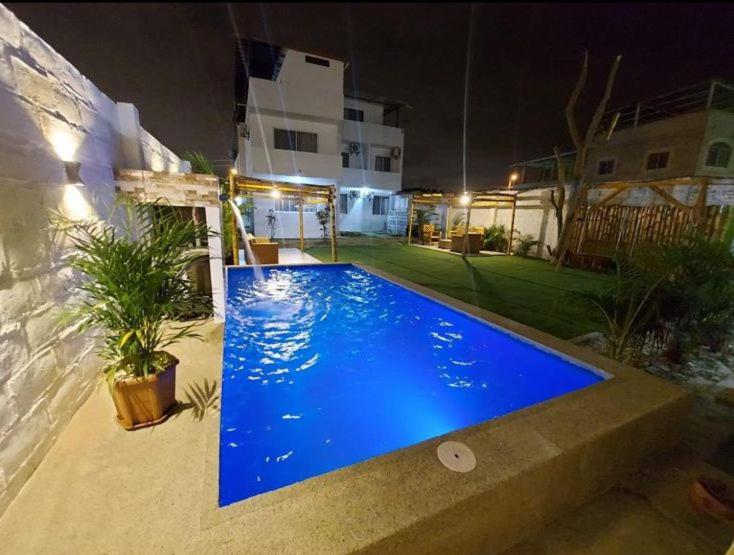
x=354 y=148
x=395 y=152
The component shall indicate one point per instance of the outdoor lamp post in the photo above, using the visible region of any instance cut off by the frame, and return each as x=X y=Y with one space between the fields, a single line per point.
x=513 y=177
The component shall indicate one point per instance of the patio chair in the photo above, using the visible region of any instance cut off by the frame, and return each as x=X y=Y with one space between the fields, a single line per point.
x=430 y=235
x=476 y=239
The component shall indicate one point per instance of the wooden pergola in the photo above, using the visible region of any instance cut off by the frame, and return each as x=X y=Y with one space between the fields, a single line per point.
x=249 y=187
x=468 y=201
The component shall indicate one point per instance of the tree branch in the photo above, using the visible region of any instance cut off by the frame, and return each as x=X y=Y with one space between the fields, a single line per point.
x=602 y=106
x=561 y=169
x=573 y=99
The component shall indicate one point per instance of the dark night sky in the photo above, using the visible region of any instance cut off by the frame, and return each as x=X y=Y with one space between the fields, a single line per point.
x=175 y=62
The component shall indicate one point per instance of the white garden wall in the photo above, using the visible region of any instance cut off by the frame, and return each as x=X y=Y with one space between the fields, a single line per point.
x=49 y=113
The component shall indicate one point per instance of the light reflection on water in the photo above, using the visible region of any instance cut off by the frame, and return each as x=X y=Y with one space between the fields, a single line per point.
x=327 y=366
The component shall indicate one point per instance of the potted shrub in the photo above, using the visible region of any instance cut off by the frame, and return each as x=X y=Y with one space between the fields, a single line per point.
x=136 y=291
x=712 y=498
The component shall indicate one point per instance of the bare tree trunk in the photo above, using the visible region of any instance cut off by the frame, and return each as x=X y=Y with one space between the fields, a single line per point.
x=579 y=187
x=558 y=201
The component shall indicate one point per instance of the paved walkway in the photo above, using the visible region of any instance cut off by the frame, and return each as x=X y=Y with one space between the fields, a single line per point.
x=291 y=256
x=648 y=514
x=294 y=256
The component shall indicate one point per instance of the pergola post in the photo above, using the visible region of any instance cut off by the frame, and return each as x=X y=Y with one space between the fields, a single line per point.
x=512 y=226
x=411 y=207
x=233 y=222
x=300 y=222
x=465 y=245
x=332 y=217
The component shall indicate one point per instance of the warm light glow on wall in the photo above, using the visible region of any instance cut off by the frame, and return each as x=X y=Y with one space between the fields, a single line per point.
x=233 y=171
x=64 y=143
x=465 y=199
x=275 y=193
x=75 y=205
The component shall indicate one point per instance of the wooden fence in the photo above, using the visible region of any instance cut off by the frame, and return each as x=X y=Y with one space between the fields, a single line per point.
x=600 y=232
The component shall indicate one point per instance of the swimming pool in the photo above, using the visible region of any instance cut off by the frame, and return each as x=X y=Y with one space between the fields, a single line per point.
x=329 y=365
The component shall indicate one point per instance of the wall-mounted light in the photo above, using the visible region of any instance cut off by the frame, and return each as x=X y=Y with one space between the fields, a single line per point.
x=465 y=199
x=72 y=173
x=275 y=193
x=233 y=171
x=64 y=143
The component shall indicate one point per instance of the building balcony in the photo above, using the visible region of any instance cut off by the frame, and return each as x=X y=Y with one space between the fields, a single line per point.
x=309 y=166
x=371 y=133
x=383 y=181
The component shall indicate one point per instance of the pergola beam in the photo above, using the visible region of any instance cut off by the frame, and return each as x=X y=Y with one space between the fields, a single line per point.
x=305 y=194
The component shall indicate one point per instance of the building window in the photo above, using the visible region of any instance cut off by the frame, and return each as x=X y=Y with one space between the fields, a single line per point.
x=343 y=203
x=295 y=140
x=291 y=205
x=658 y=160
x=345 y=159
x=605 y=167
x=353 y=114
x=719 y=155
x=379 y=205
x=317 y=61
x=399 y=202
x=382 y=163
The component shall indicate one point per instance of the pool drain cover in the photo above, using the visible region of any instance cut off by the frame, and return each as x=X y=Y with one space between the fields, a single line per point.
x=456 y=456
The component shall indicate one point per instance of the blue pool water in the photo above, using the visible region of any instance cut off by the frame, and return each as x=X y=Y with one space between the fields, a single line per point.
x=327 y=366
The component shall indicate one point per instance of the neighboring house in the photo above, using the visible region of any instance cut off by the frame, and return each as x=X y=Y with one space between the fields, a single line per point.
x=688 y=133
x=674 y=150
x=295 y=123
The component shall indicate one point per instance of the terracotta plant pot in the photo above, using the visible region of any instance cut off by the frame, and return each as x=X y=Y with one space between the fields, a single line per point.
x=142 y=402
x=712 y=498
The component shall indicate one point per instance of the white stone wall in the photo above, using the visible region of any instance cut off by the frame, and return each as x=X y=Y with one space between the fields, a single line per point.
x=49 y=113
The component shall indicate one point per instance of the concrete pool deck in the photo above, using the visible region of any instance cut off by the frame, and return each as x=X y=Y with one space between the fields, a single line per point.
x=101 y=489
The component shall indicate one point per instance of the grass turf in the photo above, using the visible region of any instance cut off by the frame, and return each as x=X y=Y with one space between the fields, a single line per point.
x=526 y=290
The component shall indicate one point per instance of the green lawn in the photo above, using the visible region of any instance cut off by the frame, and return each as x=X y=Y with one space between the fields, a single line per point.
x=526 y=290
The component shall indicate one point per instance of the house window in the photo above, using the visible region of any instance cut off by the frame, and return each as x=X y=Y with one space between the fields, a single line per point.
x=291 y=205
x=605 y=167
x=379 y=205
x=399 y=203
x=343 y=203
x=295 y=140
x=719 y=155
x=382 y=163
x=353 y=114
x=658 y=160
x=317 y=61
x=345 y=159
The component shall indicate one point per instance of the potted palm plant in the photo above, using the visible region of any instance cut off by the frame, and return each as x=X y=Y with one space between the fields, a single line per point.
x=135 y=290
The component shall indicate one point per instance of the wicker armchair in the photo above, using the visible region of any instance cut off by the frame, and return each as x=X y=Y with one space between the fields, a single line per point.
x=476 y=239
x=430 y=235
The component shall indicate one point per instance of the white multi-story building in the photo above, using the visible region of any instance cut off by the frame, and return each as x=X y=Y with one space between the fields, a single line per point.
x=296 y=124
